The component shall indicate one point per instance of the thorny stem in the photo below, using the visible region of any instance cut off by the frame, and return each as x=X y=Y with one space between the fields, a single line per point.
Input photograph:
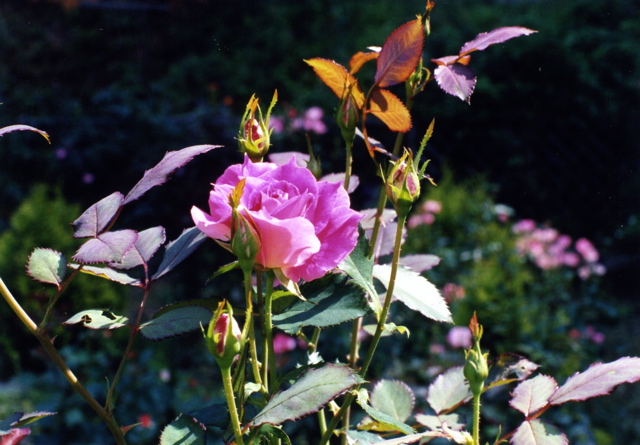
x=269 y=359
x=47 y=344
x=476 y=419
x=231 y=403
x=376 y=337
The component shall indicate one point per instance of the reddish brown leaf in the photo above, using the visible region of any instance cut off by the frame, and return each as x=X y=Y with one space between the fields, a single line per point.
x=360 y=59
x=389 y=109
x=400 y=54
x=336 y=77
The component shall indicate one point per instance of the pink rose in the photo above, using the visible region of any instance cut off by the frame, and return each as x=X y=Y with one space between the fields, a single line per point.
x=306 y=227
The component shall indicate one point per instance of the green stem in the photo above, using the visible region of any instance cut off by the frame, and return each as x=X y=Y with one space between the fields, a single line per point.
x=376 y=337
x=348 y=166
x=55 y=298
x=231 y=403
x=249 y=331
x=269 y=355
x=476 y=419
x=47 y=344
x=134 y=332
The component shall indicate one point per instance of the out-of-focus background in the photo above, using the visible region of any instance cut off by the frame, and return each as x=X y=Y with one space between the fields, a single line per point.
x=551 y=136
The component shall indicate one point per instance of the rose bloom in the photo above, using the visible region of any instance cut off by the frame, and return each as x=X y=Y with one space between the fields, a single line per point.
x=306 y=227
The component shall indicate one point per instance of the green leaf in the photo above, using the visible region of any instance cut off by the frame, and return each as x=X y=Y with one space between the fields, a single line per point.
x=394 y=398
x=98 y=319
x=388 y=422
x=415 y=292
x=330 y=301
x=363 y=437
x=28 y=418
x=307 y=395
x=184 y=431
x=108 y=274
x=176 y=322
x=359 y=267
x=179 y=249
x=47 y=266
x=6 y=425
x=271 y=431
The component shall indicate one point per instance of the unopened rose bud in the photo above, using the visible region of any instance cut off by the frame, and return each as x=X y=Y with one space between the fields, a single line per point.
x=224 y=338
x=403 y=184
x=254 y=134
x=476 y=367
x=347 y=117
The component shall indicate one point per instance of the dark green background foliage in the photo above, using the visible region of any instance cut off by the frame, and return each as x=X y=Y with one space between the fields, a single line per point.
x=553 y=122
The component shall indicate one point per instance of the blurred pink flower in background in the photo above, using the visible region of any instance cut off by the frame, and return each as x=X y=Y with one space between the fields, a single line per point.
x=452 y=292
x=548 y=249
x=587 y=250
x=459 y=337
x=311 y=120
x=431 y=206
x=283 y=343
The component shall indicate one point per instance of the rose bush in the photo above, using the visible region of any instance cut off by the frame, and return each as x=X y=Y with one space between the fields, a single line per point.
x=305 y=226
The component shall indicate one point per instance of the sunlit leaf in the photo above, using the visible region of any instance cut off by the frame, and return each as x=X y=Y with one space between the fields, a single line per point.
x=389 y=423
x=176 y=322
x=359 y=59
x=336 y=77
x=159 y=174
x=148 y=242
x=456 y=79
x=10 y=128
x=329 y=301
x=108 y=247
x=94 y=220
x=47 y=266
x=448 y=390
x=179 y=249
x=108 y=274
x=393 y=398
x=98 y=319
x=26 y=419
x=362 y=437
x=415 y=292
x=185 y=430
x=389 y=109
x=537 y=432
x=533 y=394
x=498 y=35
x=400 y=54
x=453 y=421
x=598 y=380
x=314 y=389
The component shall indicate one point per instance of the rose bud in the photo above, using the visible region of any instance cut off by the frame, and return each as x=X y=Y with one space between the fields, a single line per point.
x=403 y=184
x=254 y=133
x=223 y=337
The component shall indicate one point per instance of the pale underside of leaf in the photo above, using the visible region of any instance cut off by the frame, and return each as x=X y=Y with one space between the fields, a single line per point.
x=537 y=432
x=415 y=291
x=533 y=394
x=47 y=266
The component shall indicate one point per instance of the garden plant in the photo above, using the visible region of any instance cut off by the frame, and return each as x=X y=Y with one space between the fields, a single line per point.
x=305 y=261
